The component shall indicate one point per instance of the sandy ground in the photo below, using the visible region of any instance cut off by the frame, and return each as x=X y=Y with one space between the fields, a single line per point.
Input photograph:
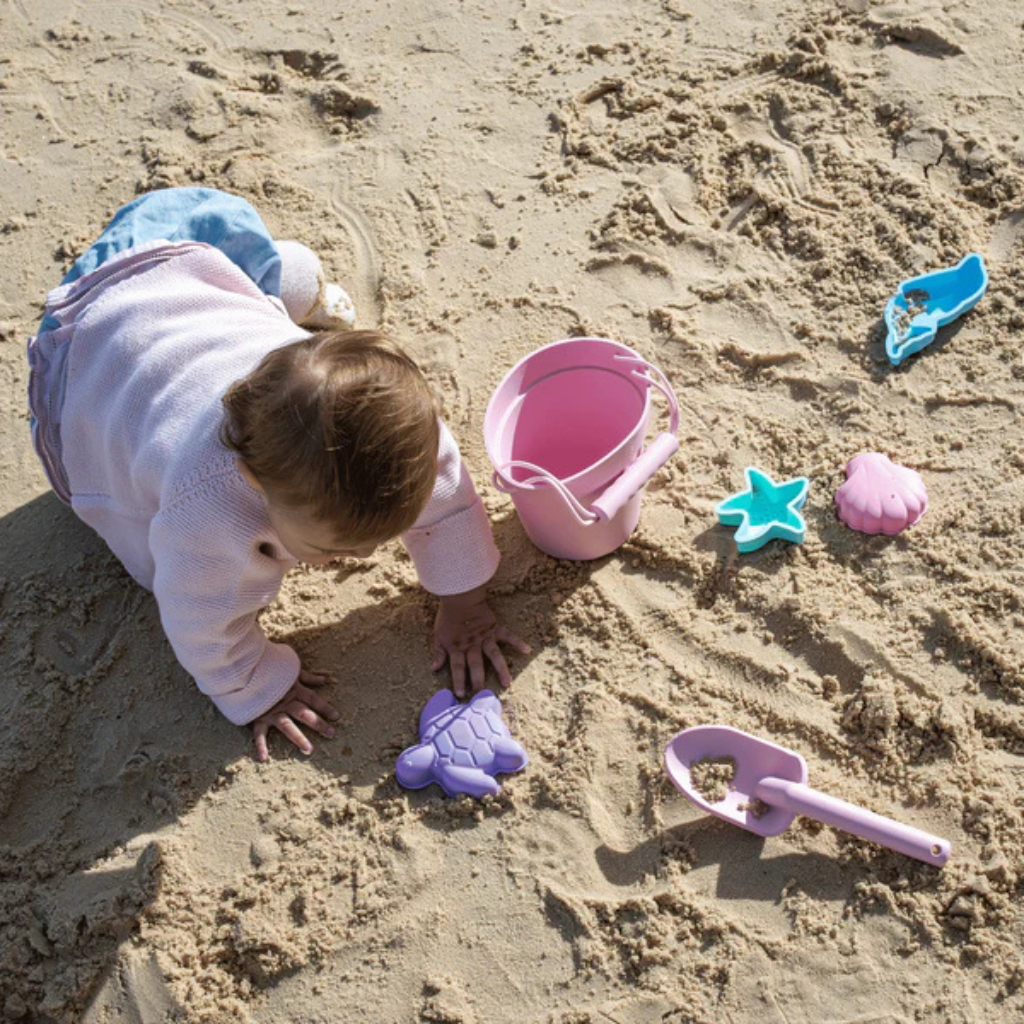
x=733 y=188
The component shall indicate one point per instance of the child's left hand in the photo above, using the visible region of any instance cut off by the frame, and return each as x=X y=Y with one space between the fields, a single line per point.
x=465 y=630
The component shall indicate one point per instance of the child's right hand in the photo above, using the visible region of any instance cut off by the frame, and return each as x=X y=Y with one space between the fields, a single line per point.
x=299 y=704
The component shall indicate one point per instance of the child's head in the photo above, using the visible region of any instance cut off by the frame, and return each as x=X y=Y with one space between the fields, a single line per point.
x=340 y=430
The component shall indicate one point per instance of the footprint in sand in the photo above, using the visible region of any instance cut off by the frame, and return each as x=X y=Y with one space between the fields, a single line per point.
x=212 y=35
x=362 y=256
x=1006 y=237
x=135 y=991
x=315 y=64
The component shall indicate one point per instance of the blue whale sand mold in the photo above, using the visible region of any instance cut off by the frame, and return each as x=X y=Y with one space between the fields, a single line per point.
x=939 y=298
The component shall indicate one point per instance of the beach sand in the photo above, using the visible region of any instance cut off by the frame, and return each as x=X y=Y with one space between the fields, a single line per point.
x=732 y=188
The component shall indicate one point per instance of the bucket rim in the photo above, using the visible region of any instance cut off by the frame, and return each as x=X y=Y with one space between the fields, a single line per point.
x=568 y=480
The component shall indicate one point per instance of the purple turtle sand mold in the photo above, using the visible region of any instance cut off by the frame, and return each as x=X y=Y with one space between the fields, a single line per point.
x=462 y=747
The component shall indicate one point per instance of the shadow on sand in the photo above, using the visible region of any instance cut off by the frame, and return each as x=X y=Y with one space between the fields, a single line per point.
x=106 y=743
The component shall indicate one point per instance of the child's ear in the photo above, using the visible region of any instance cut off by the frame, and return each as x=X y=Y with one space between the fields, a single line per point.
x=249 y=475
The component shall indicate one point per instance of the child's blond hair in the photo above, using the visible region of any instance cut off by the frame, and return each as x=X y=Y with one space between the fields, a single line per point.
x=342 y=425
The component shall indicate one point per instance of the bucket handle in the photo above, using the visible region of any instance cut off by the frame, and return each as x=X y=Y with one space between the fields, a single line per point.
x=580 y=511
x=659 y=381
x=631 y=479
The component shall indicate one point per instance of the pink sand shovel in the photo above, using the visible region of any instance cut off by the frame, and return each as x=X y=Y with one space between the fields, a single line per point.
x=769 y=790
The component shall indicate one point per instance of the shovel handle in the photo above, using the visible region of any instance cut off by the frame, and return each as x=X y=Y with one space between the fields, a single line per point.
x=800 y=799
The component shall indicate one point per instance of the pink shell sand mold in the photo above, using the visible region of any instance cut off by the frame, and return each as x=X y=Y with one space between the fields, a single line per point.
x=880 y=496
x=462 y=747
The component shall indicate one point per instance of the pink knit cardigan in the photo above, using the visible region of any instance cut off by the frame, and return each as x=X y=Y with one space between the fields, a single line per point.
x=146 y=347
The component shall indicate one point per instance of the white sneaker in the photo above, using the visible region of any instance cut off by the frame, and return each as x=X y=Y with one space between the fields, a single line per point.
x=336 y=310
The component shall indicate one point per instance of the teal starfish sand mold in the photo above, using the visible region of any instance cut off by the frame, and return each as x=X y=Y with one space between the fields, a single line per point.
x=765 y=510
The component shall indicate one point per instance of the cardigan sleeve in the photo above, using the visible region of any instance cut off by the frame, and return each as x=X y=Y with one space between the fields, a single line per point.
x=212 y=578
x=451 y=543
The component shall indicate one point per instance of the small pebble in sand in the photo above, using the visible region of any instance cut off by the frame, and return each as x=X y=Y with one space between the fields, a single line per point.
x=264 y=852
x=15 y=1008
x=712 y=777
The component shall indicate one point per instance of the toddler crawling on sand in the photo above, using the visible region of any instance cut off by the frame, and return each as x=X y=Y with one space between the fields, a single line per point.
x=214 y=444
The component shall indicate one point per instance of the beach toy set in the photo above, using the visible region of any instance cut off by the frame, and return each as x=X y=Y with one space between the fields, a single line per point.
x=565 y=431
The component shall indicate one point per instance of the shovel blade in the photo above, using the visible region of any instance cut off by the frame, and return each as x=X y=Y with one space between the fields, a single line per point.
x=755 y=759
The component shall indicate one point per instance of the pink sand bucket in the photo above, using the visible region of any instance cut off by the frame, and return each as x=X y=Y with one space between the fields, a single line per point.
x=565 y=432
